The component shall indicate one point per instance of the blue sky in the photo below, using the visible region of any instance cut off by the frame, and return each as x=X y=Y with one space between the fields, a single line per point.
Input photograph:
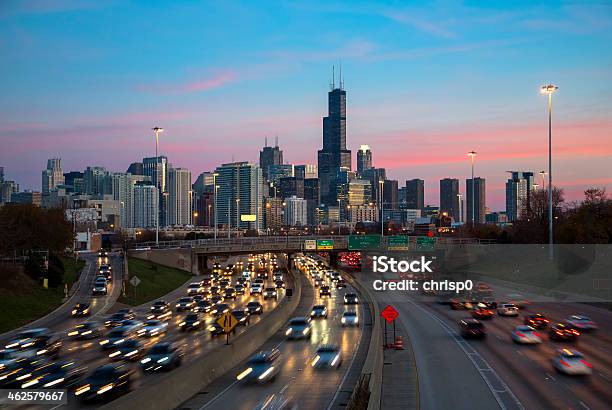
x=426 y=82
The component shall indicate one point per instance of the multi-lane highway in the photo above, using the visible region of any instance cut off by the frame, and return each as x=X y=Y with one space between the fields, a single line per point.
x=496 y=372
x=298 y=382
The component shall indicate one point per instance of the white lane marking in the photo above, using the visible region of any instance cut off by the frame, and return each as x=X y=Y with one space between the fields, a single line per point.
x=548 y=375
x=469 y=352
x=584 y=405
x=219 y=395
x=604 y=376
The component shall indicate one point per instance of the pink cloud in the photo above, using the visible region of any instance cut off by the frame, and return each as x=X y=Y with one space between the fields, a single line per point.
x=194 y=86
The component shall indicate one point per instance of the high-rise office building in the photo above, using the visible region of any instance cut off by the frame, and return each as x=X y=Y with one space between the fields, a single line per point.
x=519 y=189
x=1 y=175
x=135 y=168
x=401 y=197
x=449 y=198
x=291 y=186
x=146 y=205
x=98 y=181
x=390 y=194
x=278 y=171
x=415 y=194
x=204 y=183
x=179 y=197
x=334 y=155
x=479 y=198
x=274 y=213
x=311 y=195
x=123 y=192
x=305 y=171
x=296 y=211
x=53 y=176
x=27 y=197
x=360 y=192
x=269 y=156
x=239 y=194
x=364 y=159
x=375 y=176
x=7 y=189
x=157 y=169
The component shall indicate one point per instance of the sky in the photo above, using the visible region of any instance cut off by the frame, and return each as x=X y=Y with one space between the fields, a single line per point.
x=426 y=82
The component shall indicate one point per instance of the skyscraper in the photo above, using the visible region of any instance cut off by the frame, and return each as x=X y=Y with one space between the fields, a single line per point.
x=360 y=192
x=449 y=198
x=518 y=194
x=179 y=197
x=296 y=211
x=364 y=159
x=291 y=186
x=311 y=195
x=240 y=193
x=479 y=199
x=157 y=169
x=135 y=168
x=305 y=171
x=375 y=176
x=123 y=192
x=146 y=203
x=390 y=194
x=52 y=176
x=269 y=156
x=415 y=194
x=333 y=156
x=98 y=181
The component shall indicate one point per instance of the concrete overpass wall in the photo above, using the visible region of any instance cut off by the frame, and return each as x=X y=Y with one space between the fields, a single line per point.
x=173 y=258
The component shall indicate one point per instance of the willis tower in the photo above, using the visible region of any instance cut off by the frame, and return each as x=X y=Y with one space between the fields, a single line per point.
x=334 y=157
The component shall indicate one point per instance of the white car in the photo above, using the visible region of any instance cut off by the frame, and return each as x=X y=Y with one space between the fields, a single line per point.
x=508 y=309
x=194 y=289
x=526 y=335
x=571 y=362
x=581 y=322
x=154 y=328
x=256 y=288
x=350 y=318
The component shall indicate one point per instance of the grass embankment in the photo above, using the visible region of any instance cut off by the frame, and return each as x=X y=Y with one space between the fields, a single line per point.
x=155 y=281
x=22 y=300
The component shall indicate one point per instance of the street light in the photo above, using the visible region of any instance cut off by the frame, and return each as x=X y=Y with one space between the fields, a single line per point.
x=215 y=175
x=157 y=130
x=549 y=90
x=459 y=196
x=543 y=174
x=472 y=155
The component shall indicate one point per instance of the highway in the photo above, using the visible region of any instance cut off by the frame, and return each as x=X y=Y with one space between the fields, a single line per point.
x=60 y=319
x=298 y=382
x=496 y=372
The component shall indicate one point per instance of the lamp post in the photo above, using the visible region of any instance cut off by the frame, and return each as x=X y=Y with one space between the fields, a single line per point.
x=472 y=155
x=382 y=207
x=549 y=90
x=543 y=174
x=215 y=175
x=459 y=196
x=157 y=130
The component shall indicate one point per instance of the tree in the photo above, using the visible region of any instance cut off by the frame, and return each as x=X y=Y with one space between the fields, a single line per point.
x=532 y=227
x=589 y=222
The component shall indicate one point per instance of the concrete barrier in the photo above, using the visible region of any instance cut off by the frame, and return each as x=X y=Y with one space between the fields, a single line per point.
x=173 y=258
x=373 y=364
x=171 y=389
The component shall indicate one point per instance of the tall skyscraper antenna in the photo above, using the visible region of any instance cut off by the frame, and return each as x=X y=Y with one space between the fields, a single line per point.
x=333 y=83
x=266 y=141
x=276 y=141
x=340 y=79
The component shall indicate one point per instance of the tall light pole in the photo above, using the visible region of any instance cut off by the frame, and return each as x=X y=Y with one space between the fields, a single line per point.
x=472 y=155
x=382 y=208
x=157 y=130
x=460 y=208
x=543 y=174
x=549 y=90
x=215 y=175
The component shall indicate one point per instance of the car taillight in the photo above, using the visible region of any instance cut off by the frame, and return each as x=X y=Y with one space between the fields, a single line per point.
x=577 y=333
x=587 y=364
x=536 y=334
x=519 y=334
x=564 y=363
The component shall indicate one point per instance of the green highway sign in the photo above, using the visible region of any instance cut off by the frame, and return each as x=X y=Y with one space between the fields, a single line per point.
x=397 y=243
x=363 y=242
x=425 y=242
x=325 y=244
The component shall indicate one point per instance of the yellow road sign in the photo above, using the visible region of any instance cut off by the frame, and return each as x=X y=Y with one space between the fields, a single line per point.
x=227 y=321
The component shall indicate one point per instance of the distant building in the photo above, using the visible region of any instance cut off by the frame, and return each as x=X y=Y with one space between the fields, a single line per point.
x=449 y=198
x=363 y=213
x=135 y=168
x=519 y=189
x=360 y=192
x=74 y=182
x=390 y=194
x=364 y=159
x=269 y=156
x=7 y=189
x=311 y=195
x=497 y=218
x=375 y=176
x=98 y=181
x=239 y=193
x=146 y=203
x=157 y=169
x=415 y=194
x=27 y=197
x=296 y=211
x=204 y=183
x=179 y=197
x=53 y=176
x=274 y=213
x=305 y=171
x=278 y=171
x=291 y=186
x=479 y=199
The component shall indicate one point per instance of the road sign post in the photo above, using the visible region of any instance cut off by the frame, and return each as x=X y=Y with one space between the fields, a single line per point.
x=228 y=322
x=364 y=242
x=390 y=314
x=325 y=244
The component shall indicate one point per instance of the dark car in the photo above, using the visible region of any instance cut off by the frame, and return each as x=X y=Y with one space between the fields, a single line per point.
x=229 y=293
x=319 y=311
x=85 y=330
x=107 y=382
x=255 y=308
x=563 y=332
x=472 y=328
x=162 y=356
x=14 y=372
x=537 y=321
x=130 y=350
x=215 y=329
x=340 y=284
x=279 y=284
x=116 y=319
x=324 y=291
x=54 y=375
x=192 y=321
x=351 y=299
x=242 y=315
x=203 y=306
x=35 y=342
x=81 y=309
x=160 y=310
x=261 y=368
x=220 y=308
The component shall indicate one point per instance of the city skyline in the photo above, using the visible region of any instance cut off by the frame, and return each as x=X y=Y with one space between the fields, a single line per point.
x=420 y=108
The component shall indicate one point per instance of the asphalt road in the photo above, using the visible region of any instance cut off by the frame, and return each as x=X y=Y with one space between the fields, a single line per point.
x=297 y=381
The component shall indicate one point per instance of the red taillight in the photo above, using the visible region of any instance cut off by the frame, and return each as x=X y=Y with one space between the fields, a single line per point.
x=577 y=333
x=536 y=334
x=564 y=363
x=587 y=364
x=519 y=334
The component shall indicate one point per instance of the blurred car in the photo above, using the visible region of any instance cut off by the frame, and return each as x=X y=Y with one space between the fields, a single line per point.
x=457 y=304
x=519 y=300
x=327 y=357
x=269 y=293
x=162 y=356
x=319 y=311
x=85 y=330
x=81 y=309
x=279 y=284
x=318 y=281
x=563 y=332
x=154 y=327
x=216 y=299
x=194 y=288
x=58 y=375
x=134 y=325
x=215 y=329
x=240 y=290
x=184 y=304
x=261 y=367
x=489 y=302
x=35 y=342
x=299 y=328
x=340 y=283
x=507 y=309
x=224 y=284
x=191 y=321
x=117 y=319
x=215 y=290
x=536 y=321
x=525 y=335
x=571 y=362
x=220 y=308
x=16 y=369
x=203 y=306
x=100 y=287
x=117 y=336
x=242 y=315
x=324 y=291
x=582 y=323
x=351 y=299
x=130 y=350
x=229 y=293
x=160 y=310
x=255 y=308
x=472 y=328
x=349 y=318
x=105 y=383
x=482 y=312
x=256 y=289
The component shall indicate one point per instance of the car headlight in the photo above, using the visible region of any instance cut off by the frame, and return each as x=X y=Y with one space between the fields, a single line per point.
x=315 y=360
x=288 y=332
x=266 y=373
x=244 y=373
x=104 y=342
x=343 y=320
x=74 y=311
x=145 y=360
